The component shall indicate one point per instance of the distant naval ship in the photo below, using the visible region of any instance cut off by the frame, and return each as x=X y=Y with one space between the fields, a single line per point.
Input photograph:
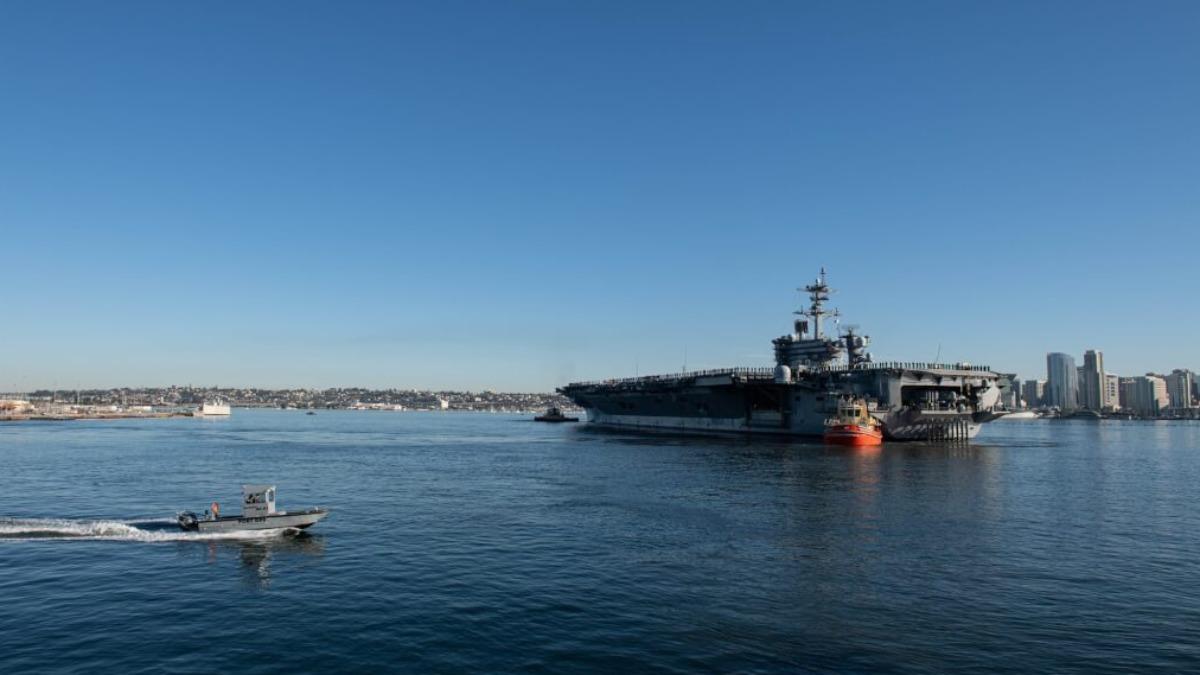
x=215 y=408
x=813 y=375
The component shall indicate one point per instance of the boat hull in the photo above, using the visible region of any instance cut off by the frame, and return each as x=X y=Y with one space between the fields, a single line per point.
x=856 y=435
x=297 y=520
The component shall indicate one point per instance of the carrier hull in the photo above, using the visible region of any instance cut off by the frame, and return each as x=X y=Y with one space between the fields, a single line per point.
x=911 y=401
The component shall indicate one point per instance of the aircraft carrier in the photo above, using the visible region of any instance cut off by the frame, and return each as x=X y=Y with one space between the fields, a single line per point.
x=813 y=372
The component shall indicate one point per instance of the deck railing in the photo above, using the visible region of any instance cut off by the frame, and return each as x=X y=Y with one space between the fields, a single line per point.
x=745 y=373
x=902 y=365
x=769 y=373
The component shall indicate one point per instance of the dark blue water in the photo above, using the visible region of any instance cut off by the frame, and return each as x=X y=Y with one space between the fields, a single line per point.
x=486 y=543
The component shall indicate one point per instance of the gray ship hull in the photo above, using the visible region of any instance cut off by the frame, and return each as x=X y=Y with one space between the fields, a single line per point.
x=958 y=428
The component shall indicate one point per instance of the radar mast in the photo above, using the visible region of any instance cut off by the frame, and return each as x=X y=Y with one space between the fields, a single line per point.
x=818 y=294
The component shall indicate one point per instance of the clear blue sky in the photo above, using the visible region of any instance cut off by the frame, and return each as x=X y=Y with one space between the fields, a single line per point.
x=510 y=195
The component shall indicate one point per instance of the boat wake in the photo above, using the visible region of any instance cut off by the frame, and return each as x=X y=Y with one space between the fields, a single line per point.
x=148 y=531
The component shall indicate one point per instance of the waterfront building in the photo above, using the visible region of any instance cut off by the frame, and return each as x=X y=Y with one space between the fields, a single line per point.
x=1161 y=398
x=1034 y=393
x=1062 y=382
x=1112 y=392
x=1145 y=396
x=1127 y=393
x=1091 y=381
x=14 y=406
x=1179 y=388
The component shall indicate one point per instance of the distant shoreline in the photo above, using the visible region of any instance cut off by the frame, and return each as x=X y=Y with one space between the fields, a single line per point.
x=59 y=417
x=54 y=417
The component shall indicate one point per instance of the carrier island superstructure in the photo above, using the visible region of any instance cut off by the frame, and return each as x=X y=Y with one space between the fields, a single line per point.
x=813 y=372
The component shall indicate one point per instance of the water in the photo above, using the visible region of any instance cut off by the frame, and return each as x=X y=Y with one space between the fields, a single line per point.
x=488 y=543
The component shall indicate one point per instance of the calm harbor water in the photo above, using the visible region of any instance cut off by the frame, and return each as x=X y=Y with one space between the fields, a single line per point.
x=489 y=543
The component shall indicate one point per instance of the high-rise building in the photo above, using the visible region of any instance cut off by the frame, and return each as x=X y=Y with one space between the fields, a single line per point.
x=1034 y=393
x=1062 y=382
x=1146 y=395
x=1161 y=398
x=1091 y=381
x=1179 y=388
x=1128 y=395
x=1112 y=392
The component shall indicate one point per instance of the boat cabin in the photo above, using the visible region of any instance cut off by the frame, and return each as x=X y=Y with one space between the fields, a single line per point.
x=851 y=411
x=258 y=501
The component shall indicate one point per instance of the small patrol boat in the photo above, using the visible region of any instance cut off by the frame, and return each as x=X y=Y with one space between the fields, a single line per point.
x=853 y=425
x=258 y=513
x=553 y=414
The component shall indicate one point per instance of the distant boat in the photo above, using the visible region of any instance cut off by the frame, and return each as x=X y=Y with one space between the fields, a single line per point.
x=213 y=409
x=553 y=414
x=1020 y=415
x=310 y=413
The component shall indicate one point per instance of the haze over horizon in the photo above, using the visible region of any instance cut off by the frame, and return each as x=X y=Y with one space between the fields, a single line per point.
x=510 y=196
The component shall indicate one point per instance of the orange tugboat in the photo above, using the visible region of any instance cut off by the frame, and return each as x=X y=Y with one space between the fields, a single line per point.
x=853 y=425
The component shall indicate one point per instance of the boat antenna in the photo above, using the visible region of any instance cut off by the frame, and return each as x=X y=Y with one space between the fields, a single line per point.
x=939 y=354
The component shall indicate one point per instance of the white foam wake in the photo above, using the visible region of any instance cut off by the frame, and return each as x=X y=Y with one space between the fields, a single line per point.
x=30 y=529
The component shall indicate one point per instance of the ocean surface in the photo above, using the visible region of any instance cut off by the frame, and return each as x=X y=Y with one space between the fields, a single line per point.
x=489 y=543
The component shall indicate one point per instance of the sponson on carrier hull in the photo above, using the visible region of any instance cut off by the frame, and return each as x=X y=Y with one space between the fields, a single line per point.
x=813 y=372
x=258 y=513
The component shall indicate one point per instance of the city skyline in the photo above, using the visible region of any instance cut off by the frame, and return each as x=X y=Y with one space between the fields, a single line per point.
x=1094 y=388
x=488 y=197
x=1022 y=380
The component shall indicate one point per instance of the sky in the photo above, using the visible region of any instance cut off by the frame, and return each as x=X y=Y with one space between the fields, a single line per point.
x=514 y=195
